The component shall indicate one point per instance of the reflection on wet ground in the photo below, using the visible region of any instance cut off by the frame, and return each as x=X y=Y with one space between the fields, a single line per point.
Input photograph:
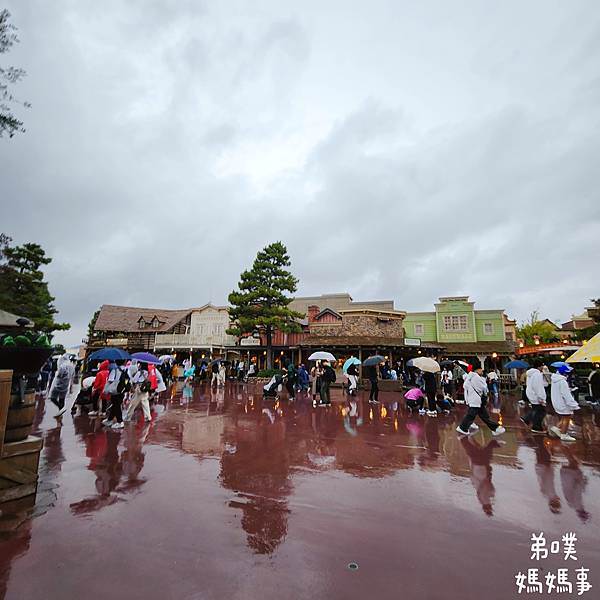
x=226 y=495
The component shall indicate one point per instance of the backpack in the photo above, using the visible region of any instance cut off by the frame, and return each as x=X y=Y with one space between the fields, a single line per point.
x=112 y=383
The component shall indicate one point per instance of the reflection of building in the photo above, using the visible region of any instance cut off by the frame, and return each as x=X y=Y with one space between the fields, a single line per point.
x=461 y=329
x=203 y=434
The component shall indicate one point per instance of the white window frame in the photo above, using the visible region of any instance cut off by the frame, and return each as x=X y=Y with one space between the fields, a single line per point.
x=491 y=329
x=419 y=329
x=456 y=323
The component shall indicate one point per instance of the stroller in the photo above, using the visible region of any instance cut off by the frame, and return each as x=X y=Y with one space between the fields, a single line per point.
x=271 y=389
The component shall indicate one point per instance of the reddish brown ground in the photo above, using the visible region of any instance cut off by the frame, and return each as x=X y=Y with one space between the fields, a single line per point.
x=217 y=498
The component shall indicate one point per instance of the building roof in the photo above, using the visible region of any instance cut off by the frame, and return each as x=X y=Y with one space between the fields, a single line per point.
x=358 y=340
x=373 y=312
x=9 y=320
x=337 y=302
x=125 y=318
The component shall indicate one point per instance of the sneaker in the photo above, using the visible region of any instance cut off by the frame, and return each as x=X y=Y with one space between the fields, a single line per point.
x=499 y=431
x=92 y=413
x=314 y=404
x=522 y=419
x=107 y=422
x=117 y=426
x=61 y=412
x=422 y=411
x=474 y=427
x=432 y=413
x=565 y=437
x=538 y=431
x=554 y=431
x=461 y=431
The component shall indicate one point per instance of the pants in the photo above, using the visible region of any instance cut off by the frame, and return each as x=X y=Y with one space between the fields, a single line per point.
x=353 y=379
x=374 y=394
x=137 y=399
x=535 y=416
x=316 y=386
x=57 y=397
x=115 y=409
x=214 y=380
x=412 y=404
x=325 y=398
x=431 y=400
x=289 y=386
x=482 y=413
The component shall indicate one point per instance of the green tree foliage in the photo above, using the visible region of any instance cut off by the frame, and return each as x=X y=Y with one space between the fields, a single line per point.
x=262 y=302
x=23 y=290
x=528 y=330
x=9 y=76
x=92 y=324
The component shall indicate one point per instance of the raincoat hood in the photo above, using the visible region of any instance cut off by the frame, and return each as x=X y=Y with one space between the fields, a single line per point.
x=556 y=377
x=104 y=366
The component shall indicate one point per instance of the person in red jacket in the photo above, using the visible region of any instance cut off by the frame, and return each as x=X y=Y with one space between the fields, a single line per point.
x=98 y=388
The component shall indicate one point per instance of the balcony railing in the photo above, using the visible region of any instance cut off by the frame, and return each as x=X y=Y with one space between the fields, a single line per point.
x=183 y=340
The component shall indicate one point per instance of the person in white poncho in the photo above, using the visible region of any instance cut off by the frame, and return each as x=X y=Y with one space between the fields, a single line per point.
x=563 y=402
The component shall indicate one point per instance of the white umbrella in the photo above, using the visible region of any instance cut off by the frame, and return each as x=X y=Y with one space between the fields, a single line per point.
x=322 y=356
x=426 y=364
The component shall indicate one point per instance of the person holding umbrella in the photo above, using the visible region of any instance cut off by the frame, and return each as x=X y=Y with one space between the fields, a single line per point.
x=315 y=374
x=327 y=379
x=563 y=402
x=141 y=392
x=476 y=390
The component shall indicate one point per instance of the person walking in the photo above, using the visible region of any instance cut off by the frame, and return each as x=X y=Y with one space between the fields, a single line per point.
x=303 y=378
x=373 y=380
x=327 y=379
x=352 y=374
x=430 y=392
x=214 y=369
x=141 y=392
x=99 y=398
x=475 y=397
x=315 y=374
x=446 y=381
x=536 y=394
x=61 y=383
x=117 y=385
x=290 y=381
x=221 y=374
x=563 y=402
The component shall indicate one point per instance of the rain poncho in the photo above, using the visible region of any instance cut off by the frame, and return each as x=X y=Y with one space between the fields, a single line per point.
x=64 y=375
x=562 y=398
x=475 y=388
x=101 y=378
x=536 y=392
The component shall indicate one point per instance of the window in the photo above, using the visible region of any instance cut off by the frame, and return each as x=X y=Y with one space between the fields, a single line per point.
x=155 y=323
x=488 y=329
x=141 y=323
x=455 y=323
x=419 y=329
x=509 y=336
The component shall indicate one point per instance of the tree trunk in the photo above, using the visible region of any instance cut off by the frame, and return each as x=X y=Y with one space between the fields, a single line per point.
x=269 y=348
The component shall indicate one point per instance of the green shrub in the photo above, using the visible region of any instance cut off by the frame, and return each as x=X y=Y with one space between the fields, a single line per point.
x=268 y=373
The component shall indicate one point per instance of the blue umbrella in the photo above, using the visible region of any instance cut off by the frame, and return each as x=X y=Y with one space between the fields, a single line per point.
x=351 y=361
x=558 y=363
x=146 y=357
x=109 y=354
x=516 y=364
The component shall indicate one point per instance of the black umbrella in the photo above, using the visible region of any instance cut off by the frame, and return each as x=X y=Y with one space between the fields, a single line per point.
x=373 y=360
x=447 y=363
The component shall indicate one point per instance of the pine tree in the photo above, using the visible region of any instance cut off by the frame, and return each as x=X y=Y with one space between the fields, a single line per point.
x=262 y=303
x=23 y=290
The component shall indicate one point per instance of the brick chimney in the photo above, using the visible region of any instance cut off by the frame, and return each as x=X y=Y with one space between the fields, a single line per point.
x=313 y=311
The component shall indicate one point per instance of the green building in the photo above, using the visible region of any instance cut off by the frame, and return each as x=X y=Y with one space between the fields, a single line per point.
x=461 y=329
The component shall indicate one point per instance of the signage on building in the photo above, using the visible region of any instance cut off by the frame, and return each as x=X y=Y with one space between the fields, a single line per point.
x=250 y=341
x=116 y=341
x=412 y=342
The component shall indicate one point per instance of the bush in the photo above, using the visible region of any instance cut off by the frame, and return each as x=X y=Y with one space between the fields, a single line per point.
x=268 y=373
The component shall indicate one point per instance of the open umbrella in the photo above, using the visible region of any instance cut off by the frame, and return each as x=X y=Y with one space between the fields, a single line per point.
x=351 y=361
x=426 y=364
x=588 y=353
x=146 y=357
x=322 y=356
x=373 y=360
x=516 y=364
x=558 y=363
x=447 y=363
x=165 y=358
x=109 y=354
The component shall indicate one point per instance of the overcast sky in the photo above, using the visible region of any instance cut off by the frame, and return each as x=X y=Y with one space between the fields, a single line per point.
x=404 y=150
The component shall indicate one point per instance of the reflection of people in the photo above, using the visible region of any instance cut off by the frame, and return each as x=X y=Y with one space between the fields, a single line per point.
x=573 y=484
x=544 y=469
x=481 y=472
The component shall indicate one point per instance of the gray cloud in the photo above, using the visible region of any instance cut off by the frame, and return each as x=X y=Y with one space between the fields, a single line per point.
x=397 y=152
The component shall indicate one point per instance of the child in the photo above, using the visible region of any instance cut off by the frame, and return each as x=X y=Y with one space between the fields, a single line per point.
x=444 y=402
x=563 y=402
x=415 y=399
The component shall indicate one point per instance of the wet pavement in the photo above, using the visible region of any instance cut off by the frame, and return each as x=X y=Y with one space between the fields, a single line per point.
x=225 y=495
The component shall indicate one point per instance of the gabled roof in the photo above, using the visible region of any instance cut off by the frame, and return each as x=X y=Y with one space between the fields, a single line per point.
x=126 y=318
x=328 y=311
